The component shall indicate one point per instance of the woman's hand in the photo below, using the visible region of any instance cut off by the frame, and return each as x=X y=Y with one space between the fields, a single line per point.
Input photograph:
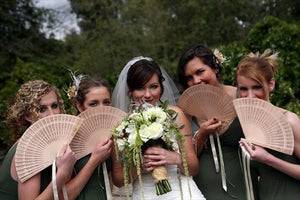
x=157 y=156
x=206 y=128
x=209 y=127
x=65 y=164
x=102 y=151
x=30 y=189
x=256 y=153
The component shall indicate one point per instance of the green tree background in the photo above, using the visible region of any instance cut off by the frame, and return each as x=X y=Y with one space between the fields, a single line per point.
x=114 y=31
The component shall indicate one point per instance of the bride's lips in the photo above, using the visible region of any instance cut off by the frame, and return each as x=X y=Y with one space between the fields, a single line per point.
x=149 y=101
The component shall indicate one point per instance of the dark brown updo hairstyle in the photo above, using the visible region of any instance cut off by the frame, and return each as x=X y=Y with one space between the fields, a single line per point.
x=141 y=72
x=84 y=87
x=204 y=54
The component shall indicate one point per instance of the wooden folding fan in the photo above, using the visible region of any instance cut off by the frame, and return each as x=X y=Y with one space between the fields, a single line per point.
x=265 y=124
x=39 y=145
x=95 y=128
x=205 y=101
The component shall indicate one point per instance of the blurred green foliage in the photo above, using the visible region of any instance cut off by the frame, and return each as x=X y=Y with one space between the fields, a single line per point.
x=113 y=32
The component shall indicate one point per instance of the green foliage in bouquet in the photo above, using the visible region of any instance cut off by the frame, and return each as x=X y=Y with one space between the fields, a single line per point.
x=148 y=126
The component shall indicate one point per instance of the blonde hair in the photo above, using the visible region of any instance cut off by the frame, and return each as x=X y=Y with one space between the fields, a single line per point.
x=27 y=102
x=259 y=67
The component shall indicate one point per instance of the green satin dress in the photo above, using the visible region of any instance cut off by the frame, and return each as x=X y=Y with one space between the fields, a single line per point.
x=210 y=182
x=95 y=187
x=8 y=186
x=275 y=185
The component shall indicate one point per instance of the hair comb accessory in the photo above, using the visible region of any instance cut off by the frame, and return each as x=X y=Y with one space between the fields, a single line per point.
x=72 y=90
x=219 y=56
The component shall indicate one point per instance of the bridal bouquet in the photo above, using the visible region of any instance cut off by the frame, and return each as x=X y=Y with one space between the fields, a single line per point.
x=145 y=127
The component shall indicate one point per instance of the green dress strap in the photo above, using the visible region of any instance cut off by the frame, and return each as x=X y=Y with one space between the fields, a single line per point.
x=209 y=182
x=95 y=187
x=274 y=184
x=8 y=186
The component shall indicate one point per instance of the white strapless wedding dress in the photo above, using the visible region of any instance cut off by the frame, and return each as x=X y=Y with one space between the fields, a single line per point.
x=150 y=193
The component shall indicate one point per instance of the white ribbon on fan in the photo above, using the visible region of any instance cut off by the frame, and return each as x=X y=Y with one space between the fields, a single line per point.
x=247 y=173
x=215 y=158
x=106 y=182
x=54 y=185
x=214 y=152
x=223 y=174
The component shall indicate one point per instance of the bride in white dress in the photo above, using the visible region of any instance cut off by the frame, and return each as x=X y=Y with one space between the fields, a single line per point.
x=142 y=80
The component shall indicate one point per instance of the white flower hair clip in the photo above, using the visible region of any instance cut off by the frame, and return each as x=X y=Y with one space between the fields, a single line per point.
x=219 y=56
x=72 y=90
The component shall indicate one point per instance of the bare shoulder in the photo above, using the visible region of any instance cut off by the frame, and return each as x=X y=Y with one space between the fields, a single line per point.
x=230 y=90
x=181 y=115
x=293 y=119
x=182 y=120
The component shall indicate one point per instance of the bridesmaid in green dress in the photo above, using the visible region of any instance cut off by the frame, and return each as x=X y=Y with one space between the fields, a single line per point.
x=279 y=173
x=34 y=100
x=87 y=182
x=199 y=65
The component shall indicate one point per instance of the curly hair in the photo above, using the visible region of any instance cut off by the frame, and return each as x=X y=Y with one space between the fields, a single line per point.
x=259 y=67
x=26 y=102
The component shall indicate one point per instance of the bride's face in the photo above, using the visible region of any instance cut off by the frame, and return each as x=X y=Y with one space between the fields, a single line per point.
x=150 y=92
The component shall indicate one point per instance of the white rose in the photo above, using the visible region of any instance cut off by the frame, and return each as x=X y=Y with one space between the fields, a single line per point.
x=155 y=130
x=144 y=133
x=121 y=144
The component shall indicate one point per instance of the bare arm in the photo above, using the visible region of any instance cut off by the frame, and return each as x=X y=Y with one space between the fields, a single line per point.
x=100 y=154
x=261 y=155
x=30 y=189
x=191 y=157
x=117 y=169
x=208 y=127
